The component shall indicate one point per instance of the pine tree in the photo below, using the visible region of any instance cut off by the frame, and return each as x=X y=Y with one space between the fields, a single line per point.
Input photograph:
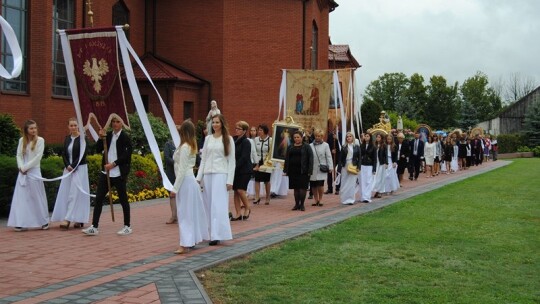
x=531 y=126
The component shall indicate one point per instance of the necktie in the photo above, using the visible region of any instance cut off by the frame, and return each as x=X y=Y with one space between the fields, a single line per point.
x=416 y=147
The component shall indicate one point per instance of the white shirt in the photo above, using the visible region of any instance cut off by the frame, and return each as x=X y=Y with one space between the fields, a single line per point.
x=213 y=158
x=112 y=155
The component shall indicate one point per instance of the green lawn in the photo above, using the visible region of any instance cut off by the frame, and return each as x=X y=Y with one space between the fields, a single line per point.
x=476 y=241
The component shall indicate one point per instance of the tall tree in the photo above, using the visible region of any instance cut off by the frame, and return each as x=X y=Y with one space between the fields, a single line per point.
x=517 y=86
x=531 y=126
x=387 y=90
x=414 y=99
x=468 y=116
x=475 y=91
x=371 y=111
x=441 y=107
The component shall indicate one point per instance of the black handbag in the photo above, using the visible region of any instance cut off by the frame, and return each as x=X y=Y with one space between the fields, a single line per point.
x=323 y=168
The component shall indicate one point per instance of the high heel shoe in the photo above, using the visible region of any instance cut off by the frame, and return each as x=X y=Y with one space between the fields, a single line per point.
x=257 y=202
x=65 y=225
x=245 y=217
x=239 y=218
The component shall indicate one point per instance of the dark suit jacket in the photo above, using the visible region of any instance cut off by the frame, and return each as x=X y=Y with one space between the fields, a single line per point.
x=404 y=152
x=367 y=155
x=242 y=152
x=123 y=150
x=76 y=152
x=168 y=152
x=420 y=149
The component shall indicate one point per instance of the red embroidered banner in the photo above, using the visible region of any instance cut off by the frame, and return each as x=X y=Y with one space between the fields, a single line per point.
x=96 y=68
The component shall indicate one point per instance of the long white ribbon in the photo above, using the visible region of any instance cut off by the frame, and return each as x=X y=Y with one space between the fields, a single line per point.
x=125 y=47
x=15 y=48
x=283 y=95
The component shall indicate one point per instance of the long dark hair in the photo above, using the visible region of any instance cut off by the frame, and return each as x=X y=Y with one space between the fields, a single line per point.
x=224 y=133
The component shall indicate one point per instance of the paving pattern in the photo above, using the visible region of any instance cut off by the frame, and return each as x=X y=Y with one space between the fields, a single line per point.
x=57 y=266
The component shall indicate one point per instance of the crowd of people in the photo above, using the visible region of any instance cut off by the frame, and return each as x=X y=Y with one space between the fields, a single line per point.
x=359 y=170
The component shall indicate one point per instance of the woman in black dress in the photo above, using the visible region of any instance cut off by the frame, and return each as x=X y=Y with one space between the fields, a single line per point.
x=243 y=171
x=298 y=167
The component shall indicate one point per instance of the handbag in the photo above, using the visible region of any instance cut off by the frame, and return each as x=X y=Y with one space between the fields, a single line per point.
x=323 y=168
x=352 y=169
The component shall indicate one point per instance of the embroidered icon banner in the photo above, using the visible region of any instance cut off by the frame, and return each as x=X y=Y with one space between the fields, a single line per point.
x=96 y=69
x=308 y=96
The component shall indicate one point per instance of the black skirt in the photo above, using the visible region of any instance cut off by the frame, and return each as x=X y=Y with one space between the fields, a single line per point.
x=241 y=181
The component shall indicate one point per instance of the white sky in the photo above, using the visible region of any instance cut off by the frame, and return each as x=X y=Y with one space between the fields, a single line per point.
x=451 y=38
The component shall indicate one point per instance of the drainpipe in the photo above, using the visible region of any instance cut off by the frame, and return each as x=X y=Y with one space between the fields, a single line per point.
x=304 y=34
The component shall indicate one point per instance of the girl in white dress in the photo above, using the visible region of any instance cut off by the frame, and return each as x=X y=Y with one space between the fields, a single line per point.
x=73 y=199
x=29 y=207
x=350 y=154
x=192 y=219
x=391 y=180
x=216 y=173
x=381 y=163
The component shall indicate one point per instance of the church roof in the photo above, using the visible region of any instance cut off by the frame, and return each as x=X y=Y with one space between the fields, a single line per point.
x=341 y=53
x=160 y=69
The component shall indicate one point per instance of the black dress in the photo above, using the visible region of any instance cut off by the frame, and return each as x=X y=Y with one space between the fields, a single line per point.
x=297 y=180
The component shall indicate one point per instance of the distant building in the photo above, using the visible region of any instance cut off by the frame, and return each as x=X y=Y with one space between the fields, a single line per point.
x=340 y=57
x=512 y=119
x=232 y=51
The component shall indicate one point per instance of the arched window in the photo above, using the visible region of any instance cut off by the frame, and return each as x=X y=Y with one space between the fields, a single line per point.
x=120 y=15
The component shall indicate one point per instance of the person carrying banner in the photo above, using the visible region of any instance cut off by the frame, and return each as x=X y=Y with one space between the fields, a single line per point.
x=117 y=162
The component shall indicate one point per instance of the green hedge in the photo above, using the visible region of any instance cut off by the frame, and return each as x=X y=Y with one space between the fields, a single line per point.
x=144 y=175
x=509 y=143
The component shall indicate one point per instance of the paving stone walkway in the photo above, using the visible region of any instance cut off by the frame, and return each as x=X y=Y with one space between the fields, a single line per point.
x=57 y=266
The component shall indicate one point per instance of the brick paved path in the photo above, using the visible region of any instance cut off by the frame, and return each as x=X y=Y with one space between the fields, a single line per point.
x=57 y=266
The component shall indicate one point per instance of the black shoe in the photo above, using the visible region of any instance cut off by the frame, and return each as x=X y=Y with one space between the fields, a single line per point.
x=329 y=192
x=302 y=208
x=257 y=202
x=213 y=243
x=310 y=197
x=296 y=207
x=239 y=218
x=337 y=192
x=410 y=178
x=230 y=216
x=273 y=195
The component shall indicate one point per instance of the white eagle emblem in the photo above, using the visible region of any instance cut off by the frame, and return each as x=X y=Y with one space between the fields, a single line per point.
x=95 y=71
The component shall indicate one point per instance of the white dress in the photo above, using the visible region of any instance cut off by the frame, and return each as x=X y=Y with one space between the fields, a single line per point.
x=391 y=181
x=347 y=190
x=454 y=163
x=379 y=181
x=73 y=199
x=29 y=206
x=429 y=153
x=215 y=172
x=192 y=219
x=279 y=184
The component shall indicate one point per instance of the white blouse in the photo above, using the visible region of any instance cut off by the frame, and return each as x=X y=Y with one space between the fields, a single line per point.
x=32 y=159
x=213 y=159
x=184 y=161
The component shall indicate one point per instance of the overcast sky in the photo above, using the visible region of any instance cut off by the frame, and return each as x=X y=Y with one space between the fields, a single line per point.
x=451 y=38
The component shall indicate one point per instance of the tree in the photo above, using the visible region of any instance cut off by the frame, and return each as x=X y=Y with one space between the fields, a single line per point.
x=371 y=111
x=442 y=106
x=517 y=86
x=413 y=100
x=475 y=91
x=468 y=117
x=387 y=90
x=138 y=138
x=531 y=125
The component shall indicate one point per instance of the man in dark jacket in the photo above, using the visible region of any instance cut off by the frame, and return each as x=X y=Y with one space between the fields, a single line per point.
x=416 y=155
x=116 y=163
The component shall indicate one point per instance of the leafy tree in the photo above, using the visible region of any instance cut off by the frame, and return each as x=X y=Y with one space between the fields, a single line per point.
x=476 y=92
x=413 y=100
x=387 y=90
x=371 y=111
x=441 y=107
x=468 y=117
x=10 y=134
x=140 y=143
x=531 y=126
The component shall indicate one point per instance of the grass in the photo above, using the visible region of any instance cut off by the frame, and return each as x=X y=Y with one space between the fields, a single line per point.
x=476 y=241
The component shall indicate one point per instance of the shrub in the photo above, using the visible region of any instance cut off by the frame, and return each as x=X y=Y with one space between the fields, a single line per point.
x=10 y=134
x=509 y=143
x=8 y=176
x=144 y=174
x=52 y=149
x=536 y=151
x=50 y=167
x=524 y=149
x=138 y=138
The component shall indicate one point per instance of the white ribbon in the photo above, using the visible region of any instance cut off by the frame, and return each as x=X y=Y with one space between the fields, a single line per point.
x=13 y=44
x=283 y=95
